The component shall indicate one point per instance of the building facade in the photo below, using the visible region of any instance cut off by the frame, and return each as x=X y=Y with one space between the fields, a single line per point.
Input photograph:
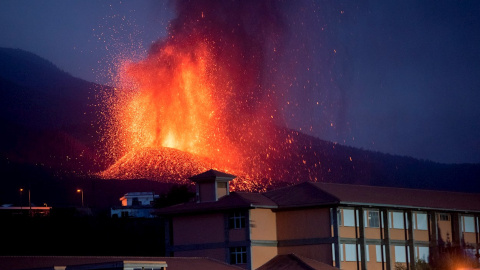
x=346 y=226
x=135 y=204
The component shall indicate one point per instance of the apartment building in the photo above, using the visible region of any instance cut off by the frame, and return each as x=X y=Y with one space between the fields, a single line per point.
x=345 y=226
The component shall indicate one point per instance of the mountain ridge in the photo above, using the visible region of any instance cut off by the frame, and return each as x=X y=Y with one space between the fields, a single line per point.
x=59 y=133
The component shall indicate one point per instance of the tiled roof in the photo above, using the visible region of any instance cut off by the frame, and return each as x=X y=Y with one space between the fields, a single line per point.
x=303 y=194
x=174 y=263
x=294 y=262
x=316 y=194
x=308 y=194
x=211 y=175
x=236 y=200
x=401 y=197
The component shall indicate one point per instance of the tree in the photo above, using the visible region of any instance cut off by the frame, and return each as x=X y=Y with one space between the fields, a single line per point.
x=176 y=195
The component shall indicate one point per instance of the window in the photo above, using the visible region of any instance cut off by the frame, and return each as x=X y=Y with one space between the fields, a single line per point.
x=422 y=223
x=350 y=253
x=238 y=255
x=136 y=202
x=348 y=217
x=400 y=254
x=236 y=220
x=339 y=216
x=341 y=252
x=423 y=253
x=378 y=254
x=373 y=219
x=398 y=220
x=469 y=224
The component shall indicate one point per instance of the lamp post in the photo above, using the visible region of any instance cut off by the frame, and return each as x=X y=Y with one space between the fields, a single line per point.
x=80 y=191
x=21 y=197
x=29 y=204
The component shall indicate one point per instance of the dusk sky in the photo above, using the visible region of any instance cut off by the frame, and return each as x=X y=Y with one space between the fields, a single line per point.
x=400 y=77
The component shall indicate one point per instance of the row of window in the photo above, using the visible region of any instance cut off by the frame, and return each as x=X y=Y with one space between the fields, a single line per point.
x=374 y=219
x=396 y=220
x=349 y=252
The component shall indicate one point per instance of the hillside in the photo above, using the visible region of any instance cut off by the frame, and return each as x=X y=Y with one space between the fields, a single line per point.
x=51 y=132
x=47 y=114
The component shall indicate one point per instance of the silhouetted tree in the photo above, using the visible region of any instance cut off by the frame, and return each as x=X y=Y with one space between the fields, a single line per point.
x=176 y=195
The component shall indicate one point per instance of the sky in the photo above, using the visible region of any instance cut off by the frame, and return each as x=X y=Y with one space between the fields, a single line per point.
x=399 y=77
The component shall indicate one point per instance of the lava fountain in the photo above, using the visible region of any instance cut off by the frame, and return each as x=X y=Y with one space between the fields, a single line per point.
x=206 y=90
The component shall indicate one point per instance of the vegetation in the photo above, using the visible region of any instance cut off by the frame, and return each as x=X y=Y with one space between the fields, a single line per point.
x=176 y=195
x=419 y=265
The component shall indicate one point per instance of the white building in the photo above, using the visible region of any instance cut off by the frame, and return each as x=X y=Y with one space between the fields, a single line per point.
x=135 y=204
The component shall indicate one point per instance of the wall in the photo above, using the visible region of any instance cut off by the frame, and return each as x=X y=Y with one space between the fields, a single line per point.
x=261 y=255
x=320 y=252
x=263 y=225
x=303 y=224
x=305 y=232
x=198 y=229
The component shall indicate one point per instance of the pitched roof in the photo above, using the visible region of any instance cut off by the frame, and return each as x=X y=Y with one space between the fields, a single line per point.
x=310 y=194
x=30 y=262
x=317 y=194
x=401 y=197
x=212 y=175
x=294 y=262
x=303 y=194
x=236 y=200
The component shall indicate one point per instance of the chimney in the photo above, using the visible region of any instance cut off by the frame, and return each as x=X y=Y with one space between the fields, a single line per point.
x=212 y=185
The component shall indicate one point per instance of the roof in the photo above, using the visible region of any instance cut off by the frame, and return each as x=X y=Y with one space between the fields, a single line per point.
x=401 y=197
x=210 y=175
x=123 y=264
x=294 y=262
x=236 y=200
x=310 y=194
x=316 y=194
x=174 y=263
x=303 y=194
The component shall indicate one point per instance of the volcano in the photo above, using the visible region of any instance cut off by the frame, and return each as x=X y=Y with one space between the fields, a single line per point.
x=159 y=164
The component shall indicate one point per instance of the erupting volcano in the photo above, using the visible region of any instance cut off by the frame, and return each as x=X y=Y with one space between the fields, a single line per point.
x=205 y=97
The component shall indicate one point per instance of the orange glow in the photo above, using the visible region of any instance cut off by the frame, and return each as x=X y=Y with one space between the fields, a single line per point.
x=200 y=101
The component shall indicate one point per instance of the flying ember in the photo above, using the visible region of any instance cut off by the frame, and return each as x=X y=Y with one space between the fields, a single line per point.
x=205 y=92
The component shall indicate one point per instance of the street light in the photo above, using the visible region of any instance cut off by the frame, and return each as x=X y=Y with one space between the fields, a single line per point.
x=21 y=197
x=80 y=191
x=29 y=201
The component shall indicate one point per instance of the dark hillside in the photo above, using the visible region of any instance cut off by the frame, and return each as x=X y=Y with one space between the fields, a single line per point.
x=50 y=137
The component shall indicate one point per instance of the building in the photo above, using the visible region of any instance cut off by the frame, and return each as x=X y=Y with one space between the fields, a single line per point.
x=110 y=262
x=346 y=226
x=135 y=204
x=37 y=211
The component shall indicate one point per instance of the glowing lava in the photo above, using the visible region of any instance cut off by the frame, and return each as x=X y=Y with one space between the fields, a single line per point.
x=203 y=91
